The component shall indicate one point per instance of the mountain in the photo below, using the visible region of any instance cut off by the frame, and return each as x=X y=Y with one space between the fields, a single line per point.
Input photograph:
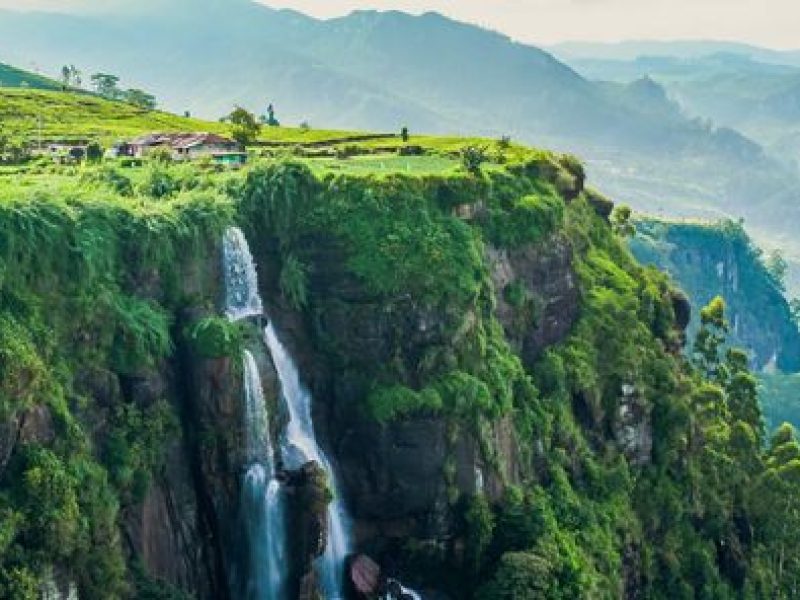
x=383 y=70
x=11 y=77
x=757 y=98
x=683 y=49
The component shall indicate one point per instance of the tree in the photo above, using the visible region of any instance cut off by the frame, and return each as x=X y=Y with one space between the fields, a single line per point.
x=404 y=134
x=270 y=119
x=70 y=76
x=794 y=306
x=472 y=157
x=106 y=85
x=713 y=330
x=94 y=152
x=777 y=267
x=742 y=391
x=621 y=221
x=77 y=78
x=246 y=127
x=140 y=98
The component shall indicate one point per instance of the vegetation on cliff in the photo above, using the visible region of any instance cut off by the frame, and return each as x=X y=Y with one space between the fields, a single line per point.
x=710 y=259
x=637 y=470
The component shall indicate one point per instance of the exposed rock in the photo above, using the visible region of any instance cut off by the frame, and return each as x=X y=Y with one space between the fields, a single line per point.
x=633 y=428
x=36 y=426
x=365 y=574
x=162 y=532
x=549 y=298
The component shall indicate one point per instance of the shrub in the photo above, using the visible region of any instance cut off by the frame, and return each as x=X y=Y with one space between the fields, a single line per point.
x=472 y=157
x=216 y=337
x=386 y=404
x=161 y=156
x=158 y=183
x=294 y=282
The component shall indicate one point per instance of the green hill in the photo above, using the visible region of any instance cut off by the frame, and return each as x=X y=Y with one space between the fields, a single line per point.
x=383 y=70
x=11 y=77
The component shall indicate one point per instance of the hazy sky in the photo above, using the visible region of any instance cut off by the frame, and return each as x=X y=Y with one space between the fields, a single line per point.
x=773 y=23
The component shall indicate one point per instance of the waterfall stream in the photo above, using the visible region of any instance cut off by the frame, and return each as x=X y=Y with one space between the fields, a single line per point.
x=262 y=500
x=262 y=497
x=298 y=446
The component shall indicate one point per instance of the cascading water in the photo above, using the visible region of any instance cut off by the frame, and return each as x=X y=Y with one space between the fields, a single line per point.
x=298 y=446
x=262 y=498
x=262 y=501
x=242 y=299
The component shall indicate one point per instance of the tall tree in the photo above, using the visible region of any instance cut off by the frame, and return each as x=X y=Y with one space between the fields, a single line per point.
x=140 y=98
x=106 y=85
x=246 y=127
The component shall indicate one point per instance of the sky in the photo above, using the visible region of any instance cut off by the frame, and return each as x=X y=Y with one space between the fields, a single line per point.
x=770 y=23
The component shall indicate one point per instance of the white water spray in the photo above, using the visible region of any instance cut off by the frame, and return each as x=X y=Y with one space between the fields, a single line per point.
x=298 y=446
x=263 y=512
x=262 y=496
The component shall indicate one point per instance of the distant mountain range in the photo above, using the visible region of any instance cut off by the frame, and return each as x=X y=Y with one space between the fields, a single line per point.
x=684 y=49
x=383 y=70
x=753 y=90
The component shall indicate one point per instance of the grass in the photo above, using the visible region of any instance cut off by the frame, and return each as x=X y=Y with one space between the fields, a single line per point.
x=390 y=163
x=49 y=115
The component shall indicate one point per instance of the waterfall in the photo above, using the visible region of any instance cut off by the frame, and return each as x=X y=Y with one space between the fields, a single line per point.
x=262 y=497
x=298 y=446
x=262 y=502
x=242 y=299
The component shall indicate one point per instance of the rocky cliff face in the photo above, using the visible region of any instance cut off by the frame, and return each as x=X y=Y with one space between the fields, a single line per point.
x=708 y=260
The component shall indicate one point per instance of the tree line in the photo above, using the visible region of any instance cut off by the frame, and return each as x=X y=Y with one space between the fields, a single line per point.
x=106 y=85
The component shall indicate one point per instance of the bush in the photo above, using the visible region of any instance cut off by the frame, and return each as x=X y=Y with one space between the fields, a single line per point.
x=216 y=337
x=390 y=403
x=472 y=157
x=158 y=183
x=294 y=282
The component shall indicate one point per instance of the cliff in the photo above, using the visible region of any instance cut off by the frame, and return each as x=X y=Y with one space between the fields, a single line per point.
x=708 y=260
x=498 y=383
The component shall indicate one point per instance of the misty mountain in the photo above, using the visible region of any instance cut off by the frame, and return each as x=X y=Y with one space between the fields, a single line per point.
x=383 y=70
x=760 y=99
x=682 y=49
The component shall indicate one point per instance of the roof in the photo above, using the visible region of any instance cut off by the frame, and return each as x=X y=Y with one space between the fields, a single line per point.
x=182 y=140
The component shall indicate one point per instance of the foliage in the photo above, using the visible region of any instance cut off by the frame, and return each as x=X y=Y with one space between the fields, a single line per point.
x=245 y=126
x=294 y=282
x=632 y=464
x=621 y=221
x=778 y=268
x=106 y=85
x=472 y=157
x=216 y=337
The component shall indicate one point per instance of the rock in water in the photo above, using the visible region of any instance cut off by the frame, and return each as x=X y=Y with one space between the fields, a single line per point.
x=365 y=574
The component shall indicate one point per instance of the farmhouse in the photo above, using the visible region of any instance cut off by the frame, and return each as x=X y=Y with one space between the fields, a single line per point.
x=187 y=146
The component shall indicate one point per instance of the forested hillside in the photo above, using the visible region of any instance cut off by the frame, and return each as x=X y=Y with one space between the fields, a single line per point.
x=501 y=387
x=385 y=70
